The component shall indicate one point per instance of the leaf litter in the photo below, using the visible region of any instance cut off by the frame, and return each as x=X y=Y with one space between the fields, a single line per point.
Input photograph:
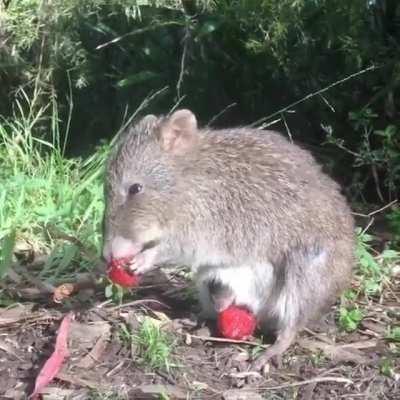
x=329 y=364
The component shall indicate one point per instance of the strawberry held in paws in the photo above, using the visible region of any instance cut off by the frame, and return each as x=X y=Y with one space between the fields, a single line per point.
x=118 y=274
x=236 y=323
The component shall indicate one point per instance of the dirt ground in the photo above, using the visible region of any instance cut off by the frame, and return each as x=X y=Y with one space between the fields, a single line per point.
x=324 y=363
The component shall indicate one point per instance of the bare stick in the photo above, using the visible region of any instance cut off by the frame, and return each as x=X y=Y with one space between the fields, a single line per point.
x=137 y=303
x=376 y=211
x=287 y=127
x=318 y=92
x=136 y=32
x=183 y=61
x=142 y=106
x=223 y=340
x=213 y=119
x=308 y=381
x=376 y=181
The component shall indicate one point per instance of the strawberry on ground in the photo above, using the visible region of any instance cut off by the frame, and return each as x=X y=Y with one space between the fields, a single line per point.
x=236 y=323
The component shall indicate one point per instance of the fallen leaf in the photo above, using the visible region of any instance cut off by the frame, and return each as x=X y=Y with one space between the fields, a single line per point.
x=157 y=390
x=84 y=335
x=78 y=381
x=15 y=314
x=239 y=394
x=9 y=349
x=63 y=291
x=335 y=352
x=54 y=363
x=95 y=354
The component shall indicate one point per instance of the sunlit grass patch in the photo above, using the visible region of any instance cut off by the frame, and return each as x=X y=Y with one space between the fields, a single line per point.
x=42 y=191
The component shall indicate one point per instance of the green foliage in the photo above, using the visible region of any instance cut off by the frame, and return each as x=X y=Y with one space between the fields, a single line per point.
x=386 y=367
x=114 y=292
x=262 y=56
x=105 y=395
x=373 y=272
x=6 y=252
x=349 y=319
x=394 y=223
x=373 y=269
x=394 y=334
x=41 y=189
x=154 y=345
x=376 y=150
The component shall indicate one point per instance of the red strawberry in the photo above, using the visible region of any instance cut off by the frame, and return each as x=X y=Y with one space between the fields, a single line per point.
x=236 y=323
x=118 y=274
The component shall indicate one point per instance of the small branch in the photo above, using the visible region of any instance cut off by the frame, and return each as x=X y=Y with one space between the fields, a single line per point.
x=372 y=213
x=287 y=127
x=308 y=381
x=313 y=94
x=141 y=107
x=136 y=32
x=376 y=181
x=223 y=340
x=213 y=119
x=370 y=222
x=183 y=61
x=137 y=303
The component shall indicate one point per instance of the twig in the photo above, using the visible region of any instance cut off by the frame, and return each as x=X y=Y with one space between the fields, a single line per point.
x=223 y=340
x=176 y=105
x=369 y=215
x=267 y=124
x=327 y=103
x=287 y=127
x=183 y=60
x=135 y=32
x=319 y=336
x=370 y=222
x=70 y=109
x=136 y=303
x=310 y=95
x=376 y=181
x=141 y=107
x=308 y=381
x=213 y=119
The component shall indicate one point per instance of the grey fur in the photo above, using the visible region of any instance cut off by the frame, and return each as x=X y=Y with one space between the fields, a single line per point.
x=237 y=197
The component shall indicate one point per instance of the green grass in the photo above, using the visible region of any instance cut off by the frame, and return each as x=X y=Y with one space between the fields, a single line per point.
x=45 y=196
x=154 y=346
x=372 y=274
x=109 y=395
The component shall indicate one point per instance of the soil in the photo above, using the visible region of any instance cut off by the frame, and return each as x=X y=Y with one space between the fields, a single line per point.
x=324 y=363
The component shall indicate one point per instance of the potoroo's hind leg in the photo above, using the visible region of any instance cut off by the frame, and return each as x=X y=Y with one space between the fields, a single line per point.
x=283 y=341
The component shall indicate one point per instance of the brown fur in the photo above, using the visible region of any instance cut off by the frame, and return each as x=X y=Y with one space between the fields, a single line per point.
x=237 y=197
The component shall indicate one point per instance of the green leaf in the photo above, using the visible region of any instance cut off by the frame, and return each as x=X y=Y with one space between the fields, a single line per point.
x=6 y=252
x=135 y=79
x=108 y=291
x=208 y=27
x=386 y=367
x=394 y=334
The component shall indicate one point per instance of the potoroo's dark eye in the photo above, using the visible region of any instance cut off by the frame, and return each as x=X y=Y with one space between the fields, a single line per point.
x=135 y=188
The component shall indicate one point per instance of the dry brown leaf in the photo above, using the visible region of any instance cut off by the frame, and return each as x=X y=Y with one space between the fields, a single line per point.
x=95 y=354
x=156 y=390
x=15 y=314
x=335 y=352
x=85 y=335
x=9 y=349
x=75 y=380
x=63 y=291
x=239 y=394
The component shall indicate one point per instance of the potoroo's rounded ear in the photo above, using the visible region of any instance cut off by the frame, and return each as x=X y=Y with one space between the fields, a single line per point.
x=178 y=133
